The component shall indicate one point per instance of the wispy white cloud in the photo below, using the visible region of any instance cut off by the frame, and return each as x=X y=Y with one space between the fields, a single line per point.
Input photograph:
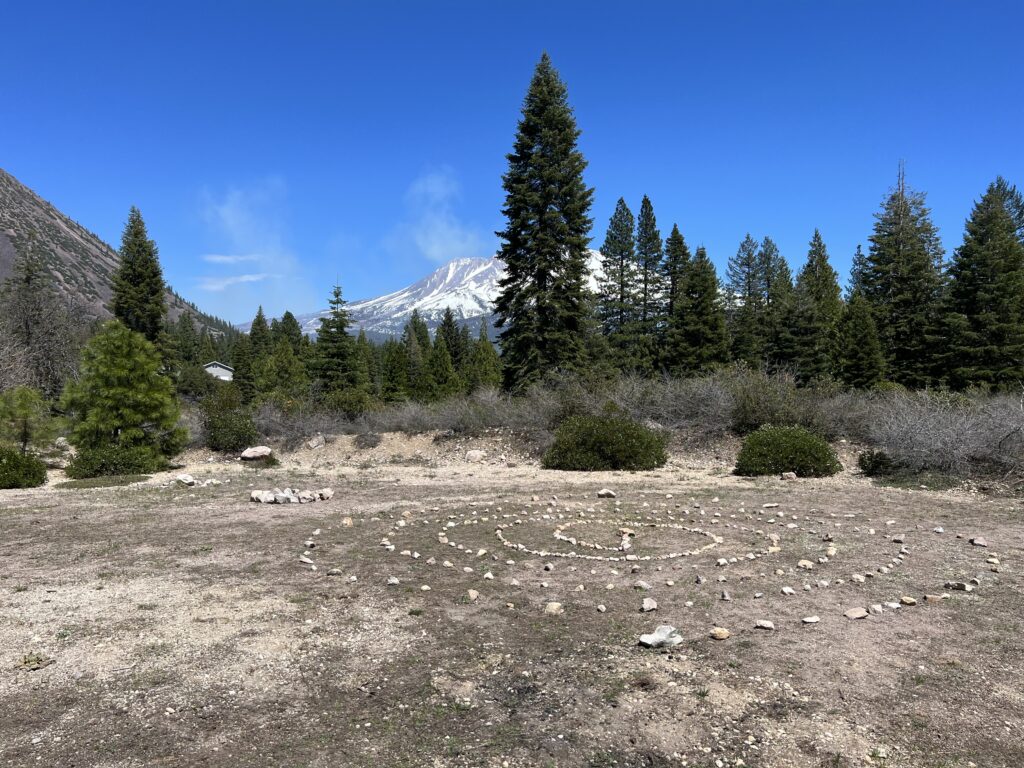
x=250 y=260
x=431 y=226
x=223 y=258
x=217 y=284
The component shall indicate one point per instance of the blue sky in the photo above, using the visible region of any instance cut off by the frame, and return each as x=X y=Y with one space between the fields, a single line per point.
x=274 y=147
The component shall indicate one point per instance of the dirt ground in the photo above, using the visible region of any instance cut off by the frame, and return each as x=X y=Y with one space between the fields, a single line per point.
x=163 y=625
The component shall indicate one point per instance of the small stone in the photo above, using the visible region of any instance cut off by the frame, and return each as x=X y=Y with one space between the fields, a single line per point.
x=858 y=577
x=642 y=585
x=425 y=588
x=806 y=565
x=472 y=595
x=601 y=609
x=719 y=633
x=606 y=493
x=554 y=609
x=336 y=572
x=725 y=596
x=856 y=613
x=393 y=581
x=788 y=591
x=875 y=609
x=908 y=600
x=811 y=619
x=186 y=480
x=325 y=494
x=763 y=624
x=979 y=541
x=475 y=457
x=649 y=604
x=789 y=475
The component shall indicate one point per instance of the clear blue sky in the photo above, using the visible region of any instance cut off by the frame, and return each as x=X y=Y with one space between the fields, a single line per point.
x=275 y=146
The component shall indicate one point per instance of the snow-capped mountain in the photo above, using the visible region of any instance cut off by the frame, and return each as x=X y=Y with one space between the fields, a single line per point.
x=468 y=286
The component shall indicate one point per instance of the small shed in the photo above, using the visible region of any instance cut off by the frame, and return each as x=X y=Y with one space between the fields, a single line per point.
x=220 y=371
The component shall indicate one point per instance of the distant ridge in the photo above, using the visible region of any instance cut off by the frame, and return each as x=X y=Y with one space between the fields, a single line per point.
x=82 y=265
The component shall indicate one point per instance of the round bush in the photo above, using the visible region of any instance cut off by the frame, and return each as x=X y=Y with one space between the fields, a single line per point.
x=876 y=463
x=773 y=450
x=115 y=460
x=227 y=421
x=595 y=443
x=20 y=471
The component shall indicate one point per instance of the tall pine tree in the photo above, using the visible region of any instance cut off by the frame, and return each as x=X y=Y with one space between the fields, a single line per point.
x=677 y=259
x=139 y=297
x=542 y=303
x=259 y=335
x=902 y=279
x=985 y=305
x=697 y=339
x=858 y=361
x=617 y=299
x=745 y=304
x=818 y=307
x=779 y=305
x=334 y=358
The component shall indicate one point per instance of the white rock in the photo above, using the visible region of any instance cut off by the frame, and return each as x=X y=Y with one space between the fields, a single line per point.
x=606 y=493
x=649 y=604
x=664 y=636
x=186 y=480
x=475 y=457
x=256 y=452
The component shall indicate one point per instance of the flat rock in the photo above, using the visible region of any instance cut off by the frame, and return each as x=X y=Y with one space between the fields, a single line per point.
x=649 y=604
x=811 y=619
x=719 y=633
x=856 y=613
x=606 y=493
x=763 y=624
x=979 y=541
x=186 y=480
x=908 y=600
x=554 y=609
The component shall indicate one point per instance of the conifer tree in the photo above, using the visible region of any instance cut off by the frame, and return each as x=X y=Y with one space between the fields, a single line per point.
x=281 y=377
x=418 y=384
x=858 y=269
x=139 y=293
x=677 y=258
x=485 y=368
x=244 y=377
x=542 y=303
x=698 y=340
x=617 y=282
x=985 y=306
x=288 y=328
x=334 y=356
x=207 y=350
x=745 y=304
x=454 y=338
x=366 y=368
x=187 y=340
x=902 y=279
x=649 y=256
x=259 y=336
x=43 y=332
x=444 y=381
x=779 y=306
x=25 y=419
x=859 y=359
x=818 y=307
x=394 y=371
x=418 y=326
x=121 y=400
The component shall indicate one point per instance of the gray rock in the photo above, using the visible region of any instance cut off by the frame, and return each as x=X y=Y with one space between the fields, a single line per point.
x=763 y=624
x=325 y=493
x=606 y=493
x=649 y=604
x=316 y=442
x=979 y=541
x=475 y=457
x=186 y=480
x=856 y=613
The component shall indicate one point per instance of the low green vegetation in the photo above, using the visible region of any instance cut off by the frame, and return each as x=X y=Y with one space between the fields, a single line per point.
x=774 y=450
x=19 y=470
x=107 y=481
x=607 y=442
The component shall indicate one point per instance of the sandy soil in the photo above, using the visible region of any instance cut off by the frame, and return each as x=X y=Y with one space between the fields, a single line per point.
x=159 y=625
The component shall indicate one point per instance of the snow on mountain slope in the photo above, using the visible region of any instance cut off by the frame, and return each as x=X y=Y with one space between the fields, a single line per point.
x=468 y=286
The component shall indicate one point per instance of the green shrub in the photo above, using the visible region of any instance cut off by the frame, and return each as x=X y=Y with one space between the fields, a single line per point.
x=773 y=450
x=115 y=460
x=352 y=402
x=876 y=463
x=18 y=470
x=594 y=443
x=227 y=422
